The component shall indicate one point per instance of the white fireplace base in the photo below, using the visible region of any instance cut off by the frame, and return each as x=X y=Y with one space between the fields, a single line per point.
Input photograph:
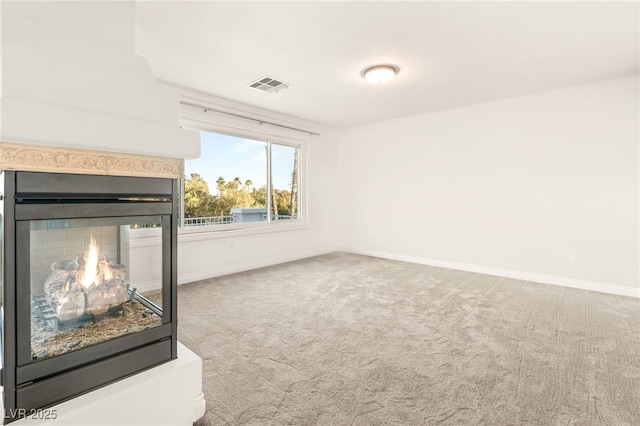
x=169 y=394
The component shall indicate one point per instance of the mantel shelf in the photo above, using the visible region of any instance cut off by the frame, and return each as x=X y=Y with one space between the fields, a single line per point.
x=39 y=158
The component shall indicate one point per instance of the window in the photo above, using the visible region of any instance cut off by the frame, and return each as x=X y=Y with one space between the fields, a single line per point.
x=242 y=182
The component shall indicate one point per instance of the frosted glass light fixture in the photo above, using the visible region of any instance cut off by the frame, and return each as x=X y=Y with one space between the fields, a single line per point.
x=379 y=74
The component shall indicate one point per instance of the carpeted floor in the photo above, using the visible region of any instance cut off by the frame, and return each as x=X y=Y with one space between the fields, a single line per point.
x=344 y=339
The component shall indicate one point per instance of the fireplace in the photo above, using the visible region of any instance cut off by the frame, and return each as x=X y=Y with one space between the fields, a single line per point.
x=89 y=283
x=78 y=104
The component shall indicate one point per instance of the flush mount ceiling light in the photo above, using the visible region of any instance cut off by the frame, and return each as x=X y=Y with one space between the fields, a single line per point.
x=379 y=74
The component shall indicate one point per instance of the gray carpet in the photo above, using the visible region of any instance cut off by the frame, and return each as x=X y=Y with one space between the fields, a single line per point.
x=344 y=339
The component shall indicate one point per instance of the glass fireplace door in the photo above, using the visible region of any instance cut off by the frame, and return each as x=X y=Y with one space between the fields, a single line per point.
x=91 y=281
x=87 y=284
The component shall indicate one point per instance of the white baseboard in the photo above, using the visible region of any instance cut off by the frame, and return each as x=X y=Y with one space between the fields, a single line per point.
x=521 y=275
x=217 y=272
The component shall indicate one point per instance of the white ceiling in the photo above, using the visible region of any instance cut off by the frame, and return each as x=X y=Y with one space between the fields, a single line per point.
x=450 y=54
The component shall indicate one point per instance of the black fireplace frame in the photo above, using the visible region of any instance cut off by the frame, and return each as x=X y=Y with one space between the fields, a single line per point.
x=31 y=385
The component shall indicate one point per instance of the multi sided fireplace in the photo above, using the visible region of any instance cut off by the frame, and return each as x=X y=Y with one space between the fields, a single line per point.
x=89 y=283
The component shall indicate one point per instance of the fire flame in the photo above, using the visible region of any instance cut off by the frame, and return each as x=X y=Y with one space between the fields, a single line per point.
x=91 y=264
x=95 y=270
x=105 y=270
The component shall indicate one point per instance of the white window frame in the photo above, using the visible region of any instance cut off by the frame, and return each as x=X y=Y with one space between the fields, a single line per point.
x=214 y=123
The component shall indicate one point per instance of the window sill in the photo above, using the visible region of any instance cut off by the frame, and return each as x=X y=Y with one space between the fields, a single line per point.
x=228 y=231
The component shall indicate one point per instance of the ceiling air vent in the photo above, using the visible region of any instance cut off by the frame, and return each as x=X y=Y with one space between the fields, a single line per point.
x=269 y=84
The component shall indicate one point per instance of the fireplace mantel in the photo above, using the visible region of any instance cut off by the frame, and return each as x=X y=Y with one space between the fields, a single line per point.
x=39 y=158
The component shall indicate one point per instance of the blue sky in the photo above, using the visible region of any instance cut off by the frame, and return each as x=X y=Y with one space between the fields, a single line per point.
x=230 y=157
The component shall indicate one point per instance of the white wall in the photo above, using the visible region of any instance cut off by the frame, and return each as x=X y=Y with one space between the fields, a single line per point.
x=543 y=187
x=70 y=78
x=110 y=24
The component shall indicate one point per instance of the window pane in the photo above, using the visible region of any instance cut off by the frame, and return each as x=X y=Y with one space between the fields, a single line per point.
x=285 y=175
x=228 y=183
